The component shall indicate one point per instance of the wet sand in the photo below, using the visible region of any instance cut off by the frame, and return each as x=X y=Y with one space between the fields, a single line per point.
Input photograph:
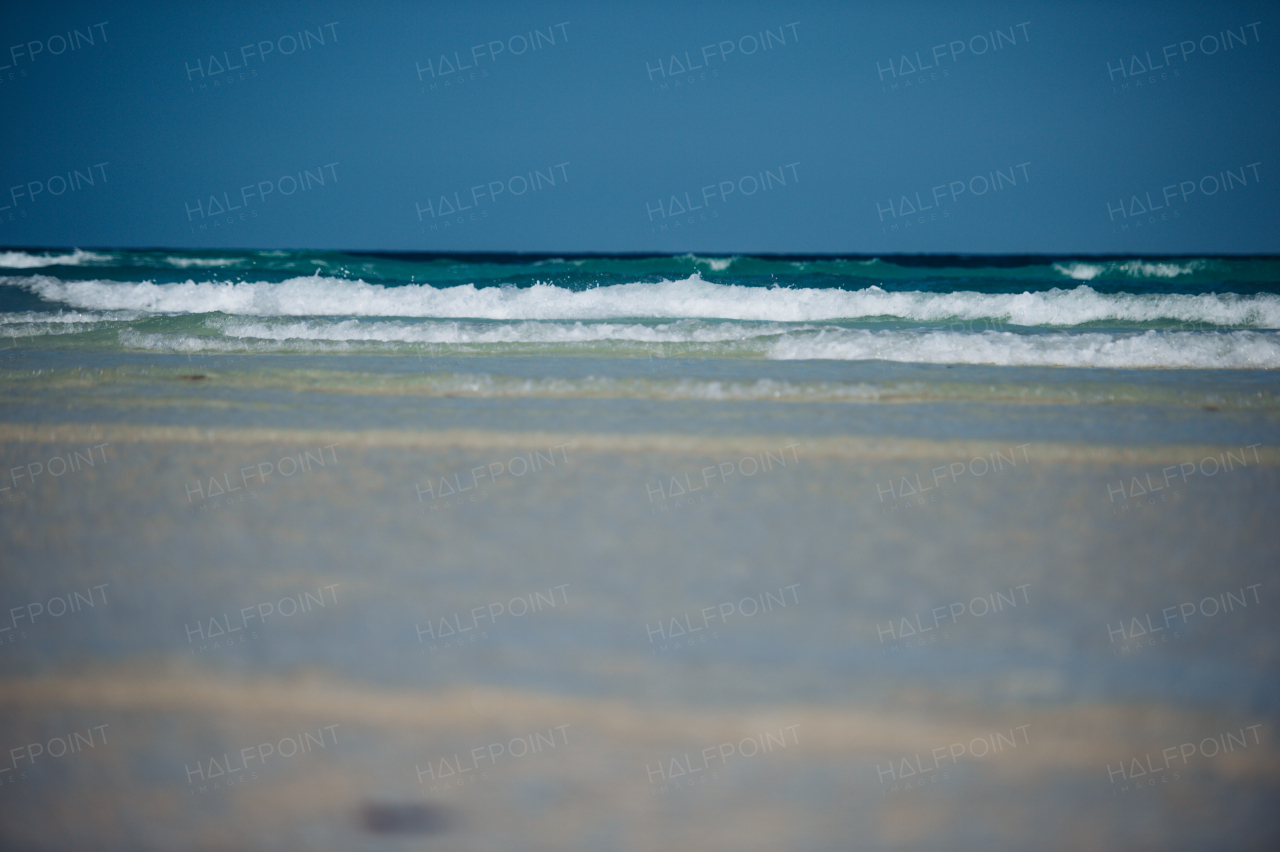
x=749 y=581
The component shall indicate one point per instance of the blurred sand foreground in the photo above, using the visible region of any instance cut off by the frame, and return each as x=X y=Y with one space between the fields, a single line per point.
x=592 y=780
x=571 y=727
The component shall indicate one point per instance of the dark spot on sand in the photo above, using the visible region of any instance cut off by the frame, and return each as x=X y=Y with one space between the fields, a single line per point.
x=194 y=378
x=406 y=818
x=1210 y=408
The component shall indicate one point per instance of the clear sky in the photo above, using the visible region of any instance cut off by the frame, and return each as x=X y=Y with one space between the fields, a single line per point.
x=726 y=127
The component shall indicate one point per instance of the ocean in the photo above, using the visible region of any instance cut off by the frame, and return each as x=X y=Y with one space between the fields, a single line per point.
x=1207 y=313
x=614 y=552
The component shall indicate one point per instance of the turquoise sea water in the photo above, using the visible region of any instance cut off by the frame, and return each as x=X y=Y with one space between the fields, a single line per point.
x=942 y=333
x=1207 y=313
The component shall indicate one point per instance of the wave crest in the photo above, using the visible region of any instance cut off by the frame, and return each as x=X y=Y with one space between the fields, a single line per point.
x=25 y=260
x=688 y=298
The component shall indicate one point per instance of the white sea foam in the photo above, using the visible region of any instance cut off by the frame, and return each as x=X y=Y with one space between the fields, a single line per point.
x=24 y=260
x=1128 y=269
x=37 y=317
x=455 y=331
x=715 y=264
x=1177 y=349
x=688 y=298
x=689 y=339
x=201 y=262
x=31 y=324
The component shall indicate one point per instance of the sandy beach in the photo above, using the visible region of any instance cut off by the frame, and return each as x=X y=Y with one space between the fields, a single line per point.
x=685 y=631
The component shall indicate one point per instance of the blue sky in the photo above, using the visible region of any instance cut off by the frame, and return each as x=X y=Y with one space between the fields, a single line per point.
x=866 y=128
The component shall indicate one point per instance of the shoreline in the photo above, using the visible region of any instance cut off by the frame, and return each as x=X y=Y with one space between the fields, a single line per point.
x=850 y=448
